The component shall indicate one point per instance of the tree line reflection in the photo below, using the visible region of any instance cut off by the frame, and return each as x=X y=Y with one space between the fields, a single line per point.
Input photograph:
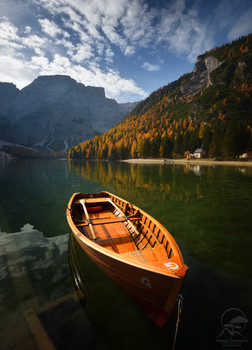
x=206 y=208
x=132 y=180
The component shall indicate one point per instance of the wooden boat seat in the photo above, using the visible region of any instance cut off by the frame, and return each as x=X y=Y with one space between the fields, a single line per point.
x=109 y=220
x=94 y=200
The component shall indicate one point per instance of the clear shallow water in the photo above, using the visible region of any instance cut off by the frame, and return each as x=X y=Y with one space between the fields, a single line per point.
x=206 y=209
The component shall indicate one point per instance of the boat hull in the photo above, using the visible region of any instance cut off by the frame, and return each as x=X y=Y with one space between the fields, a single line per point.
x=154 y=286
x=156 y=293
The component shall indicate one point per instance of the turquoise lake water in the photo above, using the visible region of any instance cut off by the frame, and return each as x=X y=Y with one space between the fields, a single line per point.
x=206 y=208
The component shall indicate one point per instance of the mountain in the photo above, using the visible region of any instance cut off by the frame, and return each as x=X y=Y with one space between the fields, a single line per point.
x=209 y=107
x=55 y=113
x=128 y=106
x=8 y=92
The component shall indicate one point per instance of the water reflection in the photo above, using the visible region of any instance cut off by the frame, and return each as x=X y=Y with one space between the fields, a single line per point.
x=197 y=169
x=115 y=318
x=118 y=320
x=207 y=208
x=27 y=268
x=209 y=215
x=38 y=300
x=37 y=192
x=128 y=178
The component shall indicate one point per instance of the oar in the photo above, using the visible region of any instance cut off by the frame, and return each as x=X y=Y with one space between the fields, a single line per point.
x=82 y=202
x=125 y=217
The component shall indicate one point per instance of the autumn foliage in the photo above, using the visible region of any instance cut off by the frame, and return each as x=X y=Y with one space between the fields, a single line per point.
x=169 y=123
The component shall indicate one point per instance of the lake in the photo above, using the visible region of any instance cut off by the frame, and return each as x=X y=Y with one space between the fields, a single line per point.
x=51 y=293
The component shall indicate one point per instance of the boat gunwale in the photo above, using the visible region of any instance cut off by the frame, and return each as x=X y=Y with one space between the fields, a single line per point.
x=120 y=257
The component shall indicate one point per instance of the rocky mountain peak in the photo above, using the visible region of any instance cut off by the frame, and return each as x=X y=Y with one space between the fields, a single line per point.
x=56 y=112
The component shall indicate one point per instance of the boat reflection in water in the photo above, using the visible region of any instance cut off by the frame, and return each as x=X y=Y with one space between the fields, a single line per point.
x=117 y=321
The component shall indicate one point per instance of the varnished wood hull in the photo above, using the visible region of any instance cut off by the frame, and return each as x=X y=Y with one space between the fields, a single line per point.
x=153 y=287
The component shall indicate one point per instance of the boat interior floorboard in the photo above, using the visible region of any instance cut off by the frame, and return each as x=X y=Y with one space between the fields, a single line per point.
x=113 y=236
x=116 y=235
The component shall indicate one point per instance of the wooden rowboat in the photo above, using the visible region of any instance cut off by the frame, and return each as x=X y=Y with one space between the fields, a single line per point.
x=132 y=248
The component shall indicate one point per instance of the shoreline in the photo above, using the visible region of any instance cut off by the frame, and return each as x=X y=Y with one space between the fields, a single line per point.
x=206 y=162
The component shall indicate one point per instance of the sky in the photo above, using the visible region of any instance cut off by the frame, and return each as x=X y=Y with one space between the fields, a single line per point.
x=129 y=47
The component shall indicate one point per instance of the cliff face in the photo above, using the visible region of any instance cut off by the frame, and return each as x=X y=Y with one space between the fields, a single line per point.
x=8 y=92
x=56 y=112
x=201 y=75
x=243 y=71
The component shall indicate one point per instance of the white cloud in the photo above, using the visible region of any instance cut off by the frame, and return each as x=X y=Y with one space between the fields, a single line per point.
x=33 y=53
x=21 y=73
x=81 y=52
x=109 y=54
x=151 y=67
x=8 y=32
x=111 y=80
x=18 y=71
x=233 y=17
x=242 y=26
x=33 y=41
x=124 y=23
x=133 y=24
x=27 y=29
x=83 y=47
x=85 y=41
x=170 y=18
x=65 y=44
x=38 y=62
x=226 y=13
x=59 y=65
x=38 y=51
x=74 y=19
x=138 y=26
x=113 y=83
x=182 y=32
x=49 y=27
x=66 y=35
x=129 y=50
x=117 y=39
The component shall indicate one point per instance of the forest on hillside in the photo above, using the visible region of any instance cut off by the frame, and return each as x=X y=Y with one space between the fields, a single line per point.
x=170 y=123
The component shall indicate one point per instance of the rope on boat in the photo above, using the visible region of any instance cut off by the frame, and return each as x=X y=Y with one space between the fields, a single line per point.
x=180 y=305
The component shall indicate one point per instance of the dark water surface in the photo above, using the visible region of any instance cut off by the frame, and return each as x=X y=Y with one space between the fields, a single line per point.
x=208 y=211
